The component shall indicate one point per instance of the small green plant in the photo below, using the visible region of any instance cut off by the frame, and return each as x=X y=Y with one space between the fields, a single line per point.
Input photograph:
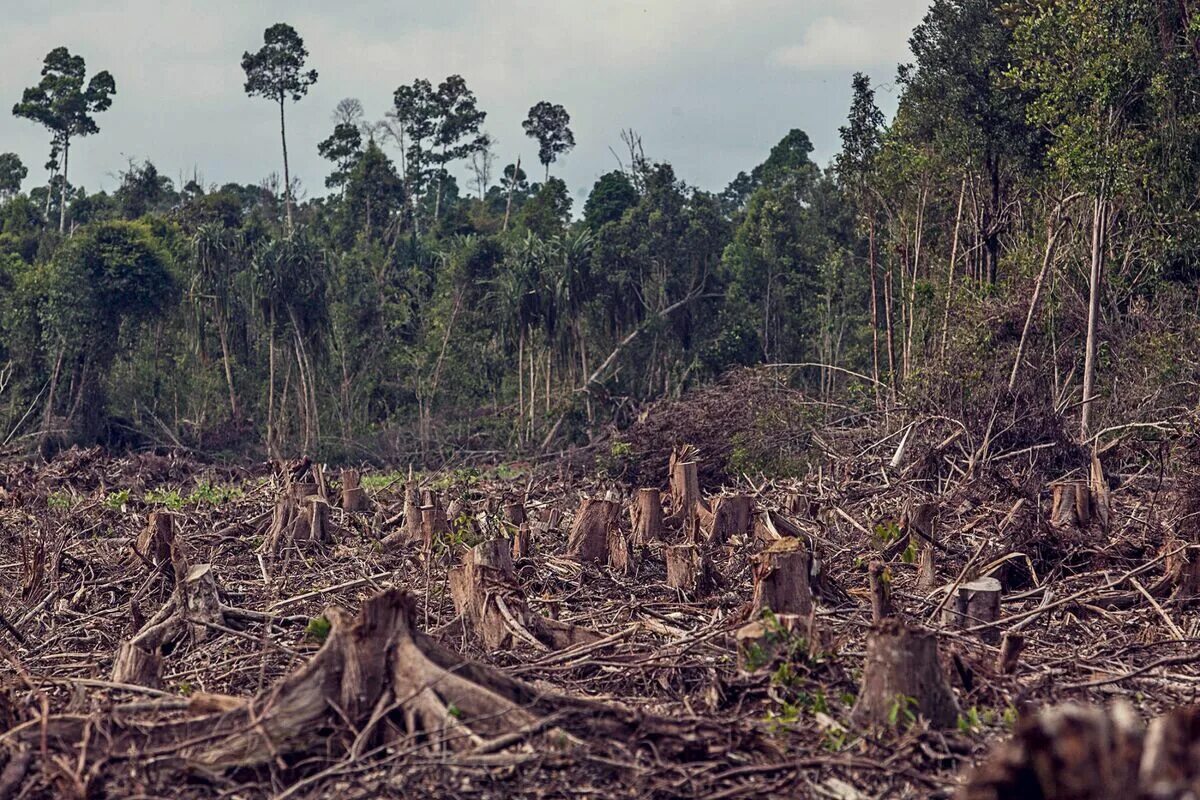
x=318 y=629
x=454 y=711
x=380 y=481
x=185 y=688
x=902 y=712
x=909 y=556
x=970 y=721
x=1009 y=716
x=886 y=533
x=170 y=498
x=60 y=499
x=117 y=500
x=212 y=494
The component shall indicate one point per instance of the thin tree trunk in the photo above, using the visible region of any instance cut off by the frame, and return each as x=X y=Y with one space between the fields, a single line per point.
x=874 y=306
x=287 y=179
x=950 y=276
x=1089 y=363
x=62 y=195
x=520 y=384
x=512 y=185
x=271 y=384
x=224 y=337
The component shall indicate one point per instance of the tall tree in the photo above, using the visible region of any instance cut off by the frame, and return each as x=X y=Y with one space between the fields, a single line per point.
x=12 y=172
x=64 y=104
x=458 y=133
x=343 y=147
x=277 y=73
x=549 y=123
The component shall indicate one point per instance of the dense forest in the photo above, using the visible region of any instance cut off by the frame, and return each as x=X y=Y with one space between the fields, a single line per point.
x=1025 y=226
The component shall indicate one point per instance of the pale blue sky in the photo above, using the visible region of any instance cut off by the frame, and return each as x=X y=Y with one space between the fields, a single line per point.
x=709 y=84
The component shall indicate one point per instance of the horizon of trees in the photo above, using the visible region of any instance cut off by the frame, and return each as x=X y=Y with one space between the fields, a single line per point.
x=1022 y=234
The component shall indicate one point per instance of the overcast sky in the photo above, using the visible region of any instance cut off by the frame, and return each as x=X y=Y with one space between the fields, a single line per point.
x=709 y=84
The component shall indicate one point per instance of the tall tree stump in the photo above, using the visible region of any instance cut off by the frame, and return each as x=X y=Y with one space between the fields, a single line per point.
x=588 y=541
x=879 y=582
x=975 y=603
x=354 y=496
x=781 y=579
x=686 y=499
x=646 y=514
x=689 y=570
x=731 y=515
x=902 y=674
x=154 y=542
x=621 y=556
x=488 y=597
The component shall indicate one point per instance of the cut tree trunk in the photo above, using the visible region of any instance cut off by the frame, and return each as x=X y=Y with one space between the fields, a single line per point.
x=521 y=541
x=154 y=542
x=1182 y=570
x=975 y=603
x=301 y=519
x=354 y=497
x=1071 y=505
x=621 y=556
x=731 y=515
x=588 y=541
x=781 y=579
x=646 y=514
x=879 y=581
x=689 y=570
x=1010 y=653
x=486 y=594
x=902 y=675
x=686 y=500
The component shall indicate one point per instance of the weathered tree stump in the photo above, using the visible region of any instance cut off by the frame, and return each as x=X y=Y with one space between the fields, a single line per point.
x=975 y=603
x=1182 y=570
x=154 y=542
x=686 y=499
x=138 y=663
x=781 y=579
x=300 y=519
x=879 y=581
x=731 y=515
x=1072 y=752
x=514 y=514
x=902 y=675
x=486 y=594
x=588 y=541
x=521 y=542
x=646 y=514
x=621 y=555
x=1010 y=653
x=354 y=496
x=1071 y=505
x=689 y=570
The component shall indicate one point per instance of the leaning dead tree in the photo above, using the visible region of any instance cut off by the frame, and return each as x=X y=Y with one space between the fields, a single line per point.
x=488 y=597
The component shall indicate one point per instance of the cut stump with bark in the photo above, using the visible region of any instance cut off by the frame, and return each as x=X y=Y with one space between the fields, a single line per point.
x=588 y=541
x=975 y=603
x=154 y=542
x=487 y=595
x=646 y=514
x=354 y=496
x=879 y=581
x=902 y=674
x=731 y=515
x=689 y=569
x=781 y=579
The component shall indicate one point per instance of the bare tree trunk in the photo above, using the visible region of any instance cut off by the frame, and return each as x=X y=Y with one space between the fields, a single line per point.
x=62 y=194
x=874 y=307
x=1089 y=364
x=271 y=385
x=512 y=185
x=287 y=179
x=950 y=275
x=224 y=336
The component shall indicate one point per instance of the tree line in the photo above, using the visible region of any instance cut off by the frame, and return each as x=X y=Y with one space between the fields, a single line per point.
x=1025 y=226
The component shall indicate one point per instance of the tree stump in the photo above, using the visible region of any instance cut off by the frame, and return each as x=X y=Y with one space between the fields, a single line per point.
x=486 y=594
x=588 y=541
x=975 y=603
x=731 y=515
x=902 y=675
x=781 y=579
x=1010 y=653
x=300 y=518
x=879 y=581
x=1069 y=752
x=621 y=557
x=514 y=514
x=646 y=514
x=154 y=542
x=414 y=529
x=354 y=497
x=689 y=569
x=521 y=545
x=926 y=570
x=1182 y=570
x=686 y=499
x=1070 y=505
